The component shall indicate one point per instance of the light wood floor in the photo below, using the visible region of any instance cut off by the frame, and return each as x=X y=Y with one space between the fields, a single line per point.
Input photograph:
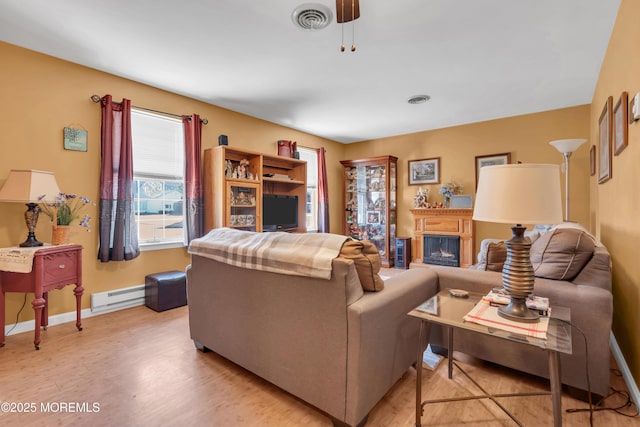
x=141 y=369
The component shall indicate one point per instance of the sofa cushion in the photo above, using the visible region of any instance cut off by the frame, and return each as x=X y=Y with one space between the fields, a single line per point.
x=561 y=253
x=366 y=258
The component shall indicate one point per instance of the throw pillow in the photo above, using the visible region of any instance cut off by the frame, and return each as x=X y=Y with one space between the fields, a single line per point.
x=484 y=252
x=561 y=253
x=366 y=258
x=496 y=256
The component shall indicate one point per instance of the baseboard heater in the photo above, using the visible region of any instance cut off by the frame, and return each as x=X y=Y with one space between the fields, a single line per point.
x=103 y=302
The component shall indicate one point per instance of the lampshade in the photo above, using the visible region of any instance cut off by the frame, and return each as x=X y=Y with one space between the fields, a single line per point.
x=519 y=194
x=29 y=186
x=567 y=145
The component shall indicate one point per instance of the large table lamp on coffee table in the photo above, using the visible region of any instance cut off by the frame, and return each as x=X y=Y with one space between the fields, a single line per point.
x=519 y=194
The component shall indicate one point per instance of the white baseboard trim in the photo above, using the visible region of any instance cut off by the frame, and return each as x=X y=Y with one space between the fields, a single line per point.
x=58 y=319
x=624 y=369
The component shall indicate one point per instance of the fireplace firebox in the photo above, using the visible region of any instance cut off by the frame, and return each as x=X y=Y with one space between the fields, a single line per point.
x=442 y=250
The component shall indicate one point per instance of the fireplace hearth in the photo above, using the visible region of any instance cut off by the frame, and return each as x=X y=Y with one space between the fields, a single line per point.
x=442 y=250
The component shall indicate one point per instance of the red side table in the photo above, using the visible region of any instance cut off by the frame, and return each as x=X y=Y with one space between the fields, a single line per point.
x=54 y=267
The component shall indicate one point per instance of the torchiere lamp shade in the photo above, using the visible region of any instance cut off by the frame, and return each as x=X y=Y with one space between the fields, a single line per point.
x=568 y=145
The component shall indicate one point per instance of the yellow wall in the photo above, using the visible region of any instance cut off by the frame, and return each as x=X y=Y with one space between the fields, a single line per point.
x=525 y=137
x=615 y=204
x=41 y=95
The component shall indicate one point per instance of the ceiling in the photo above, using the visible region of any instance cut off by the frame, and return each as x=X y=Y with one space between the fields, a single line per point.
x=477 y=59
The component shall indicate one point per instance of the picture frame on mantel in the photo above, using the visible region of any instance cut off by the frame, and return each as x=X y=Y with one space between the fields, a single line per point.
x=424 y=171
x=621 y=127
x=604 y=141
x=491 y=160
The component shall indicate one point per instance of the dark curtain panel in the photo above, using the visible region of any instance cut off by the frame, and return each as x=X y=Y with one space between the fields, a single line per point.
x=323 y=193
x=118 y=231
x=194 y=203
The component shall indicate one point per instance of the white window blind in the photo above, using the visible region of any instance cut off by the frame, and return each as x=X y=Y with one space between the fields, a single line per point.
x=158 y=146
x=158 y=171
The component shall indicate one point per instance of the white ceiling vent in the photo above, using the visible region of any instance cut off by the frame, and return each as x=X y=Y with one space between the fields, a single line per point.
x=311 y=16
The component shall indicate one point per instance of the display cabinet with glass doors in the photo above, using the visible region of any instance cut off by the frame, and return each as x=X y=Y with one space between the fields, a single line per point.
x=370 y=203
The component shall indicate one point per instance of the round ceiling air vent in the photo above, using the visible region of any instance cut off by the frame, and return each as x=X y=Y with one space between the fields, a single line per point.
x=311 y=16
x=418 y=99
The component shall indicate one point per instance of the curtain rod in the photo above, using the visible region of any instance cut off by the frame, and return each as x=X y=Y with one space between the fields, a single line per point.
x=97 y=98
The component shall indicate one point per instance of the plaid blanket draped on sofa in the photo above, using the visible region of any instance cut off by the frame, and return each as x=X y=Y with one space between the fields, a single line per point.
x=298 y=254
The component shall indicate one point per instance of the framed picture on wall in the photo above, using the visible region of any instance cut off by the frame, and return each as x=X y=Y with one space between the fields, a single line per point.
x=592 y=160
x=74 y=139
x=491 y=160
x=424 y=171
x=604 y=142
x=621 y=127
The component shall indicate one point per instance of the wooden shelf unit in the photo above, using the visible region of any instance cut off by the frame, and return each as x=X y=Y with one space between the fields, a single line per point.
x=222 y=191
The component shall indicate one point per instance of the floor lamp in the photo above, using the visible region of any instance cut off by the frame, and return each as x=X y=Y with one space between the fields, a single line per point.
x=566 y=147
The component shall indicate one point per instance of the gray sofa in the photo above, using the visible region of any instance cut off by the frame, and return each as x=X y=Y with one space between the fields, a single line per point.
x=325 y=341
x=586 y=290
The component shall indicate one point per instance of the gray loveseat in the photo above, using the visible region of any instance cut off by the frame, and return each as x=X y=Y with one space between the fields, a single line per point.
x=327 y=342
x=582 y=270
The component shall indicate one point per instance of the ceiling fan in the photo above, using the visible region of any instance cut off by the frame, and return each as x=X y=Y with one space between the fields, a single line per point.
x=347 y=11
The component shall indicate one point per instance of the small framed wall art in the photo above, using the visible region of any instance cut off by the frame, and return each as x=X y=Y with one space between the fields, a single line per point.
x=74 y=139
x=592 y=160
x=491 y=160
x=424 y=171
x=604 y=142
x=621 y=126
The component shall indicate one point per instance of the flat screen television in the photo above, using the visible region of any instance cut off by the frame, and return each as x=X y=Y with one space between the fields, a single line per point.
x=279 y=212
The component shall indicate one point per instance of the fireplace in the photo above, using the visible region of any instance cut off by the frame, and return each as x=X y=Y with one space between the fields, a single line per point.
x=442 y=250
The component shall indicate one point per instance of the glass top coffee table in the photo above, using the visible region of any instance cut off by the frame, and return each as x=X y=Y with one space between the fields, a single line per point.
x=449 y=311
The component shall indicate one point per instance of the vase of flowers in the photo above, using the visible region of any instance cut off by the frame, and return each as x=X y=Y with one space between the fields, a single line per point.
x=448 y=190
x=65 y=209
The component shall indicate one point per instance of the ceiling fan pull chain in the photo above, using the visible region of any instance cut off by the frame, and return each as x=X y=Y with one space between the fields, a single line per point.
x=342 y=45
x=353 y=25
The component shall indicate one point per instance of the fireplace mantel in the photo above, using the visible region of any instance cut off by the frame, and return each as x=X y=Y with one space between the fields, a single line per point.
x=447 y=222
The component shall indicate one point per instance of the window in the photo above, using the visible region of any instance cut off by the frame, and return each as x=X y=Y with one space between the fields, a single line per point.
x=158 y=178
x=311 y=156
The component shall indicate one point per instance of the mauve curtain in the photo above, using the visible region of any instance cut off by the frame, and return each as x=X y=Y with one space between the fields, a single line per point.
x=323 y=193
x=194 y=203
x=118 y=231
